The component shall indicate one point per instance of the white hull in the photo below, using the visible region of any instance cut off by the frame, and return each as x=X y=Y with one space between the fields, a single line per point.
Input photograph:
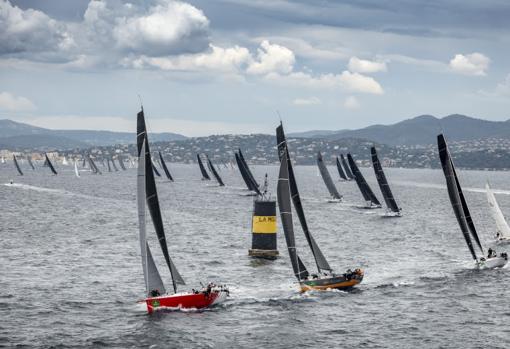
x=390 y=214
x=491 y=263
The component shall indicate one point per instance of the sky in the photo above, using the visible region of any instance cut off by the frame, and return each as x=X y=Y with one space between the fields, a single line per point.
x=205 y=67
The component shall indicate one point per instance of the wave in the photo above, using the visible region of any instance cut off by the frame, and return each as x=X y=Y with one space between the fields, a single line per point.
x=443 y=187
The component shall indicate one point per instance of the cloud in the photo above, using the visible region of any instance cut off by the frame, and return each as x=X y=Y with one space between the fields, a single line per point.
x=470 y=64
x=351 y=103
x=365 y=66
x=306 y=101
x=272 y=58
x=10 y=102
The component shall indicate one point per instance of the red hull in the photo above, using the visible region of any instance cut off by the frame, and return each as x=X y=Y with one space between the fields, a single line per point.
x=185 y=301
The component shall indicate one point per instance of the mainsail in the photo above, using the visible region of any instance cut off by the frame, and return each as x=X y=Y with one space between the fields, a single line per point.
x=248 y=171
x=50 y=164
x=17 y=165
x=93 y=166
x=108 y=163
x=150 y=271
x=284 y=205
x=341 y=172
x=455 y=193
x=320 y=260
x=155 y=168
x=205 y=175
x=327 y=178
x=214 y=172
x=244 y=174
x=163 y=164
x=363 y=186
x=502 y=226
x=29 y=159
x=152 y=198
x=383 y=183
x=346 y=167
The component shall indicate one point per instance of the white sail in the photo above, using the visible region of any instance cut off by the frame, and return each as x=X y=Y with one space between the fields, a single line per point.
x=76 y=172
x=3 y=160
x=502 y=226
x=150 y=271
x=64 y=162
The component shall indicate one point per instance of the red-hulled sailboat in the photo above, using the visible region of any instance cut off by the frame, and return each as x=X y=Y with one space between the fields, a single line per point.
x=156 y=295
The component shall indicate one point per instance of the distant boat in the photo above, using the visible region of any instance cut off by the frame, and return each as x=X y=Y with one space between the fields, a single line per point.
x=205 y=175
x=93 y=166
x=393 y=209
x=108 y=163
x=49 y=164
x=17 y=165
x=76 y=172
x=369 y=196
x=3 y=160
x=121 y=162
x=333 y=192
x=248 y=180
x=113 y=164
x=155 y=169
x=29 y=160
x=156 y=297
x=163 y=164
x=214 y=172
x=347 y=169
x=341 y=172
x=502 y=228
x=64 y=162
x=462 y=213
x=287 y=190
x=248 y=171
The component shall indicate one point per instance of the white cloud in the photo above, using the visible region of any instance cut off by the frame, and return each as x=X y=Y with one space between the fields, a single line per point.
x=470 y=64
x=11 y=102
x=306 y=101
x=365 y=66
x=272 y=58
x=351 y=103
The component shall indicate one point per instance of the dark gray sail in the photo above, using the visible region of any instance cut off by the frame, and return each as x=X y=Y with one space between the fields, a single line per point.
x=108 y=163
x=93 y=166
x=113 y=164
x=363 y=186
x=320 y=260
x=327 y=178
x=341 y=172
x=50 y=164
x=346 y=167
x=383 y=183
x=454 y=192
x=152 y=198
x=120 y=159
x=214 y=172
x=163 y=164
x=285 y=209
x=83 y=162
x=155 y=169
x=29 y=159
x=205 y=175
x=243 y=172
x=248 y=171
x=17 y=165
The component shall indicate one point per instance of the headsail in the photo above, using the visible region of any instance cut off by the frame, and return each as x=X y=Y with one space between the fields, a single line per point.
x=163 y=164
x=214 y=172
x=320 y=260
x=17 y=165
x=341 y=172
x=383 y=183
x=244 y=174
x=327 y=178
x=108 y=163
x=502 y=226
x=50 y=164
x=363 y=186
x=346 y=167
x=152 y=198
x=454 y=191
x=93 y=166
x=205 y=175
x=285 y=208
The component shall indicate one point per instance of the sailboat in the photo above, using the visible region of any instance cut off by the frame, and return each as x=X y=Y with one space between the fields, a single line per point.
x=121 y=162
x=2 y=160
x=341 y=172
x=113 y=164
x=17 y=165
x=250 y=182
x=156 y=296
x=29 y=160
x=76 y=172
x=503 y=230
x=255 y=185
x=462 y=213
x=348 y=172
x=163 y=164
x=214 y=172
x=49 y=164
x=108 y=163
x=369 y=196
x=335 y=196
x=64 y=162
x=393 y=209
x=287 y=190
x=205 y=175
x=93 y=166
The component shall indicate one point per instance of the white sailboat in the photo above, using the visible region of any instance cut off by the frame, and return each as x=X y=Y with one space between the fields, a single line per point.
x=503 y=230
x=76 y=172
x=64 y=162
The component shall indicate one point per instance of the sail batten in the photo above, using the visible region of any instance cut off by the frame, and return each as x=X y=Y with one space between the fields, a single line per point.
x=327 y=178
x=363 y=186
x=163 y=164
x=389 y=199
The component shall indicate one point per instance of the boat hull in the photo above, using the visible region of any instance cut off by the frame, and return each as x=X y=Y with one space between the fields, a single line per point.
x=338 y=282
x=494 y=262
x=180 y=301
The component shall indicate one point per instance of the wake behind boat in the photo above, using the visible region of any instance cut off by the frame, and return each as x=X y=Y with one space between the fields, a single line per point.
x=461 y=210
x=156 y=297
